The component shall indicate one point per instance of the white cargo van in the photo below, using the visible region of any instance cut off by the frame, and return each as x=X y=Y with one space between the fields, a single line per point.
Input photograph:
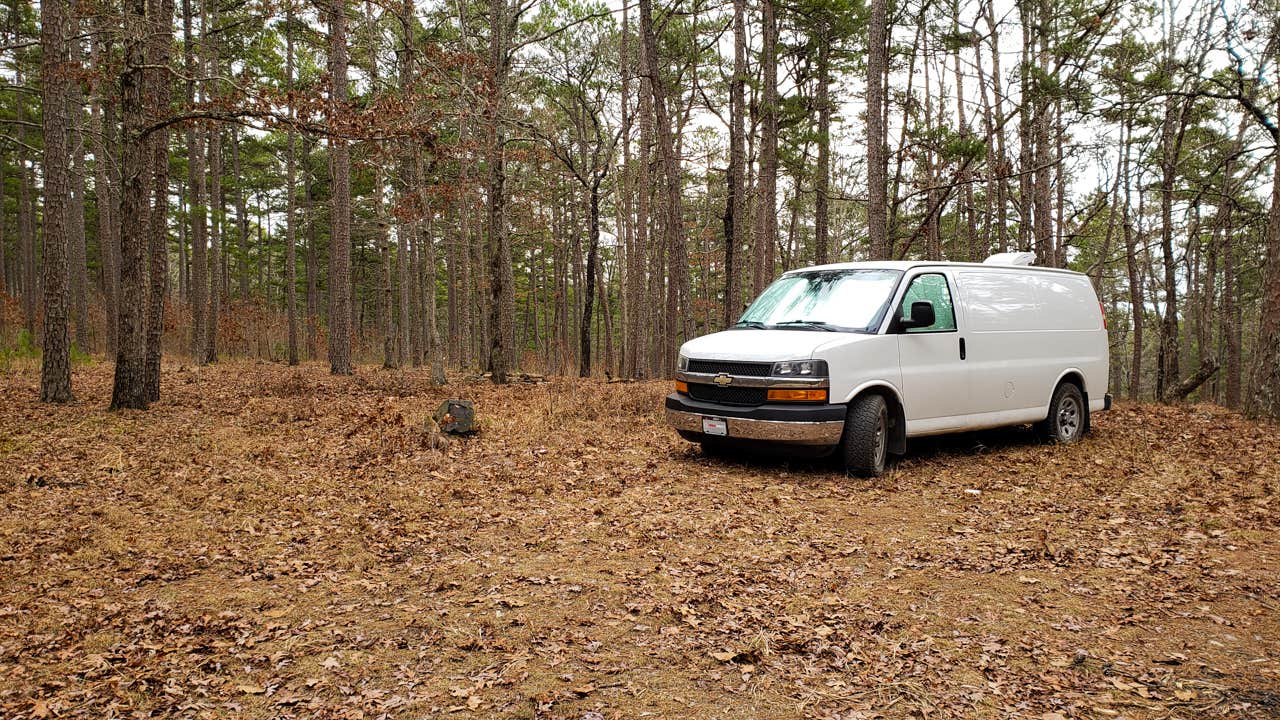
x=858 y=357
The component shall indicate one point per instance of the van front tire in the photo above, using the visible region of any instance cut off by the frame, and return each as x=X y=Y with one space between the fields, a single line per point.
x=865 y=444
x=1068 y=416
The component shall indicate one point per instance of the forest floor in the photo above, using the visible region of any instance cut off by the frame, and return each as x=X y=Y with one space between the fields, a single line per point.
x=275 y=542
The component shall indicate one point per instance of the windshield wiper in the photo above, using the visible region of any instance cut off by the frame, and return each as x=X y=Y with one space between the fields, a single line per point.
x=751 y=324
x=812 y=324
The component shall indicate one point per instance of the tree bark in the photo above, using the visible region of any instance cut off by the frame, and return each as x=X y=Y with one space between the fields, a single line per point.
x=736 y=200
x=291 y=162
x=158 y=91
x=340 y=203
x=78 y=256
x=105 y=191
x=877 y=139
x=501 y=277
x=198 y=292
x=767 y=184
x=678 y=263
x=822 y=179
x=1264 y=397
x=26 y=222
x=1173 y=129
x=129 y=387
x=55 y=76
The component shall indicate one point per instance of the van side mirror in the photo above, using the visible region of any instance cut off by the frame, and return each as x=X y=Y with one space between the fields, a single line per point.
x=921 y=316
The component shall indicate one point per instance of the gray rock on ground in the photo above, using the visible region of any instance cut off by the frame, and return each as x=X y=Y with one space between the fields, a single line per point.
x=456 y=417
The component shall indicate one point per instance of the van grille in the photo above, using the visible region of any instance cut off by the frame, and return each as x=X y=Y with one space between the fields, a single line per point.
x=744 y=369
x=728 y=395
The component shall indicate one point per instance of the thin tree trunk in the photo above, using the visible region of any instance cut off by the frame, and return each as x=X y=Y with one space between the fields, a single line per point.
x=877 y=139
x=1264 y=397
x=588 y=287
x=290 y=252
x=158 y=90
x=501 y=278
x=78 y=255
x=736 y=203
x=822 y=179
x=55 y=75
x=767 y=188
x=26 y=222
x=340 y=203
x=674 y=226
x=217 y=271
x=104 y=190
x=1230 y=278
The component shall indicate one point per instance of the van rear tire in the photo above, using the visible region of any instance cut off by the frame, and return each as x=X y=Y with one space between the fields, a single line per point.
x=1068 y=416
x=864 y=448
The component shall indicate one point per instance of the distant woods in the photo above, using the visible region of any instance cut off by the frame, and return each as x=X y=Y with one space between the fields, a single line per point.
x=577 y=188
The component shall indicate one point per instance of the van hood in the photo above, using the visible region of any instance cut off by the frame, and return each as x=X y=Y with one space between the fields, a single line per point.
x=766 y=345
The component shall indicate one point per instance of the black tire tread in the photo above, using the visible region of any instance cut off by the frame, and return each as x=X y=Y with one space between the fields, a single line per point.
x=858 y=443
x=1047 y=429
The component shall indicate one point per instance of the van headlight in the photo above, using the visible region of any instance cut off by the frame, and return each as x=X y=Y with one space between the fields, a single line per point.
x=682 y=363
x=800 y=368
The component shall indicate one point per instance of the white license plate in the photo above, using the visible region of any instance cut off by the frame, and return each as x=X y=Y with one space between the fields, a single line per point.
x=715 y=426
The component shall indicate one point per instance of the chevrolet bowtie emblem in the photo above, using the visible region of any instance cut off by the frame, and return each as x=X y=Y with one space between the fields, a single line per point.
x=722 y=380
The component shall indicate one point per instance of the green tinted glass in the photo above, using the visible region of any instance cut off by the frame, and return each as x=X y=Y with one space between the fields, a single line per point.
x=934 y=289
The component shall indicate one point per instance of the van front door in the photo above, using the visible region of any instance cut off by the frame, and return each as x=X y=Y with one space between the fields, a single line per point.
x=935 y=376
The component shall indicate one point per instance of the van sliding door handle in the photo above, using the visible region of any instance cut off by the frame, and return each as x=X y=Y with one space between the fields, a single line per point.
x=961 y=348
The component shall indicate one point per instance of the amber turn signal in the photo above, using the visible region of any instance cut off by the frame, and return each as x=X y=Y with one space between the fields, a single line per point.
x=682 y=387
x=798 y=395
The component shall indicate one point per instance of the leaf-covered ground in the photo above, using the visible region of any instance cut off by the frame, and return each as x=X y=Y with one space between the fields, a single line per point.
x=268 y=542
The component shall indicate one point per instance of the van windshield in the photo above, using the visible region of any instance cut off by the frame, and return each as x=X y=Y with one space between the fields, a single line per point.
x=833 y=300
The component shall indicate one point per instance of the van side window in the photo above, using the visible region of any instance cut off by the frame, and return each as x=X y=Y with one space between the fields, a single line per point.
x=931 y=287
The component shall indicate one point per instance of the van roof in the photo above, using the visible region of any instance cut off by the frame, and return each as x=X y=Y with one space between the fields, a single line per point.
x=909 y=264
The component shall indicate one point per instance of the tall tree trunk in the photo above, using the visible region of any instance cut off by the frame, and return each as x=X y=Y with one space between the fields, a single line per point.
x=501 y=277
x=630 y=263
x=736 y=228
x=217 y=268
x=198 y=292
x=431 y=329
x=26 y=221
x=78 y=255
x=4 y=268
x=291 y=162
x=217 y=212
x=129 y=387
x=1230 y=278
x=242 y=219
x=1173 y=128
x=678 y=263
x=1264 y=397
x=312 y=269
x=55 y=76
x=1042 y=207
x=105 y=191
x=158 y=92
x=645 y=333
x=340 y=203
x=589 y=284
x=1137 y=301
x=877 y=139
x=1026 y=122
x=822 y=179
x=767 y=187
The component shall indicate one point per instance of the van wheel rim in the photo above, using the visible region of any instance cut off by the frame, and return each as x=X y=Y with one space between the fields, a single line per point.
x=1068 y=417
x=880 y=441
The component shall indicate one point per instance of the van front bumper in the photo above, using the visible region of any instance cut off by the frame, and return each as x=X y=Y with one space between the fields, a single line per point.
x=807 y=425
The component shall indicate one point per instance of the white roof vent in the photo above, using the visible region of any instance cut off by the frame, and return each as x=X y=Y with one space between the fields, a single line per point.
x=1011 y=258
